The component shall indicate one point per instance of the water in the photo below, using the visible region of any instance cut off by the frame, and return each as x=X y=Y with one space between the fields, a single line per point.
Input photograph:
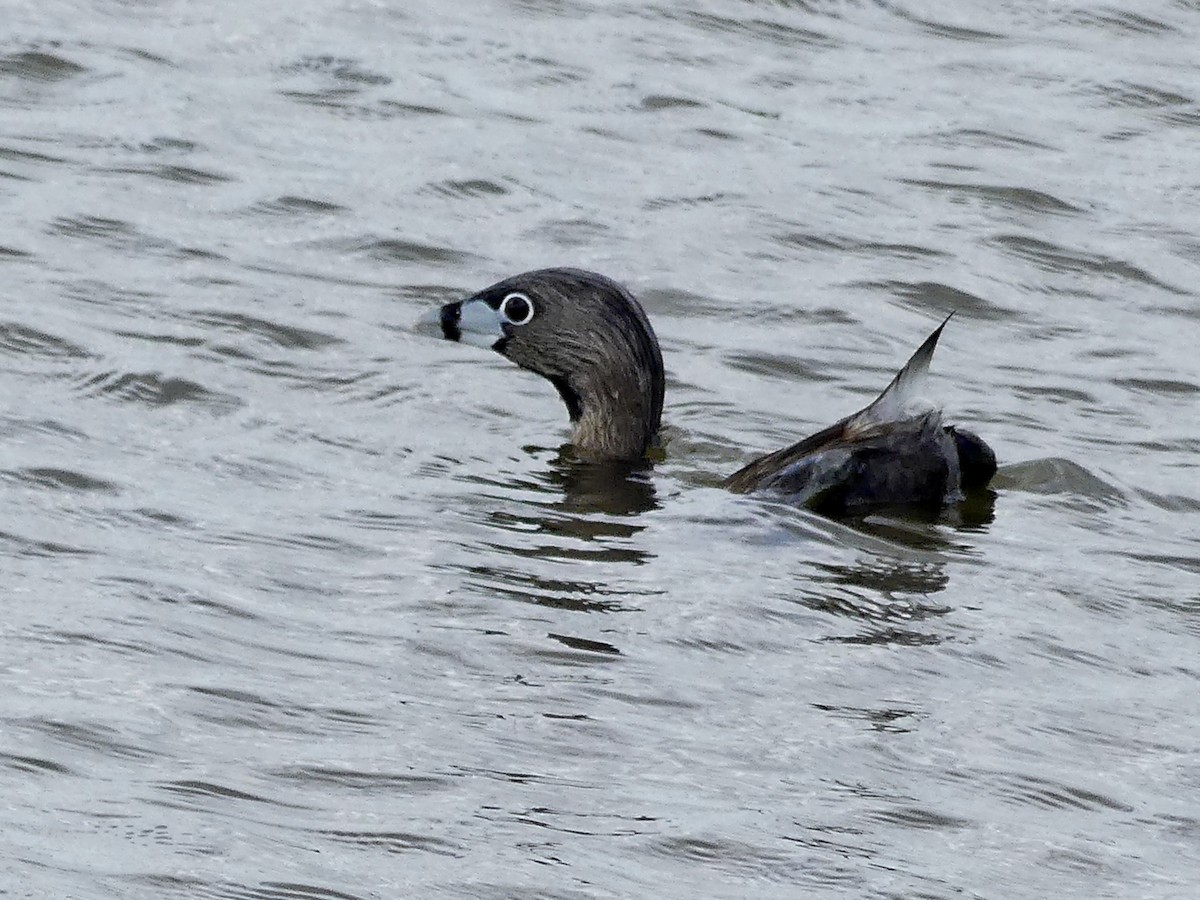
x=302 y=604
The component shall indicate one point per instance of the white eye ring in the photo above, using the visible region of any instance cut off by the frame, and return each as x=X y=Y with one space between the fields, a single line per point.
x=517 y=309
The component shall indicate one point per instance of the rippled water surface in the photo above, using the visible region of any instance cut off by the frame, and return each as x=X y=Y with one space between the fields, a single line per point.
x=300 y=603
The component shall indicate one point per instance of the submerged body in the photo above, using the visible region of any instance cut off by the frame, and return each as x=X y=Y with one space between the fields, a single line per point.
x=891 y=453
x=591 y=339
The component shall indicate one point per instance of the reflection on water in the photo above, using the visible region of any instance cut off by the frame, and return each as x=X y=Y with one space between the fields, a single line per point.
x=559 y=593
x=567 y=532
x=574 y=513
x=887 y=579
x=611 y=488
x=887 y=600
x=934 y=530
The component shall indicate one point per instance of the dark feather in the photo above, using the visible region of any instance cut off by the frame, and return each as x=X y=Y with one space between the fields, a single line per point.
x=884 y=454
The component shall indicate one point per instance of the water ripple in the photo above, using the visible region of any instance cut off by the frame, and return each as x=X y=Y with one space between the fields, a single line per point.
x=21 y=339
x=1060 y=476
x=369 y=782
x=201 y=791
x=775 y=31
x=473 y=188
x=283 y=890
x=1111 y=19
x=39 y=66
x=104 y=739
x=115 y=234
x=22 y=546
x=34 y=765
x=933 y=296
x=61 y=479
x=189 y=886
x=730 y=856
x=1057 y=259
x=243 y=709
x=334 y=83
x=1050 y=794
x=1018 y=199
x=988 y=138
x=827 y=243
x=174 y=173
x=393 y=841
x=919 y=818
x=1159 y=386
x=952 y=31
x=297 y=207
x=336 y=68
x=273 y=333
x=400 y=250
x=154 y=390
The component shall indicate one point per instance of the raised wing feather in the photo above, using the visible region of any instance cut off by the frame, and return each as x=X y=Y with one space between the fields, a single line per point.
x=901 y=396
x=828 y=460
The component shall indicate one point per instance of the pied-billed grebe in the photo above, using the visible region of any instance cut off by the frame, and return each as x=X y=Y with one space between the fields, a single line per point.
x=591 y=339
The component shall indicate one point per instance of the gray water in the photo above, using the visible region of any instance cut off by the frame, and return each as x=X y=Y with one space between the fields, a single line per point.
x=300 y=603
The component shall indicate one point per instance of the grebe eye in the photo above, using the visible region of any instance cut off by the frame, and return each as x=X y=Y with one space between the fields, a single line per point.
x=517 y=309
